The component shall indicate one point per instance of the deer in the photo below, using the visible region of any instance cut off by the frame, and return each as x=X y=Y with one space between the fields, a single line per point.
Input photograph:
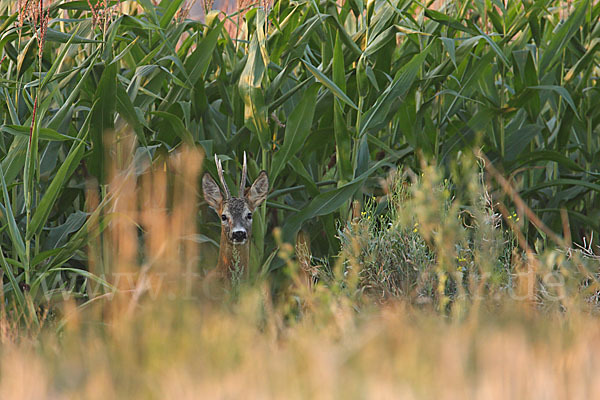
x=236 y=216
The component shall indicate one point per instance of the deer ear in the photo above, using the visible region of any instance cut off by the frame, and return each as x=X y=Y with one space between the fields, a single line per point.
x=258 y=191
x=212 y=193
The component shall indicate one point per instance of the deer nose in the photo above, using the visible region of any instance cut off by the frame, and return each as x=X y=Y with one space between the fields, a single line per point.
x=239 y=236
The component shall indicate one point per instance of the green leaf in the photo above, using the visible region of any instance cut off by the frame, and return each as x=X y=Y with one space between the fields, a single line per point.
x=344 y=35
x=81 y=5
x=304 y=176
x=251 y=90
x=297 y=128
x=395 y=155
x=450 y=48
x=562 y=182
x=494 y=47
x=58 y=236
x=13 y=230
x=545 y=156
x=200 y=59
x=329 y=84
x=561 y=91
x=61 y=37
x=325 y=203
x=127 y=111
x=560 y=38
x=82 y=272
x=267 y=264
x=102 y=119
x=343 y=135
x=109 y=39
x=517 y=141
x=31 y=159
x=58 y=118
x=15 y=159
x=58 y=61
x=446 y=20
x=51 y=195
x=584 y=62
x=200 y=238
x=150 y=10
x=93 y=227
x=13 y=282
x=44 y=133
x=377 y=115
x=171 y=8
x=176 y=126
x=380 y=41
x=43 y=255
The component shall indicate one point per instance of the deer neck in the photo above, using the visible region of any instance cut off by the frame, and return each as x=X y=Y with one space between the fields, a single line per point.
x=232 y=256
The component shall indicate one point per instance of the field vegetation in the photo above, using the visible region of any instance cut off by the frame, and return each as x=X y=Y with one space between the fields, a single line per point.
x=431 y=231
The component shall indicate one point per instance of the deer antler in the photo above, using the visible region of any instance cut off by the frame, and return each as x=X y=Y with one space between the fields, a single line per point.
x=222 y=178
x=243 y=180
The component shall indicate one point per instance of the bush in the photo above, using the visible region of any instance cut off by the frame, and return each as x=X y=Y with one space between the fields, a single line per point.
x=444 y=241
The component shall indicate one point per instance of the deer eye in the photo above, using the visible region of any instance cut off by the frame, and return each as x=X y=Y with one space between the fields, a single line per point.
x=223 y=217
x=249 y=215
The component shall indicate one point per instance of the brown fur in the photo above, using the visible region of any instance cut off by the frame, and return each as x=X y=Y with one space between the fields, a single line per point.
x=227 y=258
x=236 y=216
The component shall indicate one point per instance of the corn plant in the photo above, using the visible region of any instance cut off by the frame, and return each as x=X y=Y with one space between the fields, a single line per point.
x=325 y=97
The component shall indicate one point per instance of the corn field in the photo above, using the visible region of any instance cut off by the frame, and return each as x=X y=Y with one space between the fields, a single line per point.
x=431 y=150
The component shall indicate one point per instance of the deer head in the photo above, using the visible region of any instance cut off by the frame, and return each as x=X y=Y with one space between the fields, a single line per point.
x=235 y=212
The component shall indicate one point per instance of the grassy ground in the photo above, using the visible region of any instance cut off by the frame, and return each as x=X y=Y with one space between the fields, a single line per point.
x=431 y=230
x=184 y=349
x=400 y=314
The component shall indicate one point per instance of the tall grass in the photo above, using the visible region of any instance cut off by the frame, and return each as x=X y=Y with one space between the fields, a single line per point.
x=395 y=352
x=100 y=100
x=172 y=332
x=443 y=243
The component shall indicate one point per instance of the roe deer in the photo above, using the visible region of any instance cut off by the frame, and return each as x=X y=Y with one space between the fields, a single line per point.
x=236 y=216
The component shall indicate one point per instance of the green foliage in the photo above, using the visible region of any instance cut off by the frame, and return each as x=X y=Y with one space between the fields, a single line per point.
x=392 y=260
x=314 y=92
x=442 y=243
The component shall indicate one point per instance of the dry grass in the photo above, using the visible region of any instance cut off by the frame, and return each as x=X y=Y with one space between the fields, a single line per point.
x=185 y=350
x=170 y=334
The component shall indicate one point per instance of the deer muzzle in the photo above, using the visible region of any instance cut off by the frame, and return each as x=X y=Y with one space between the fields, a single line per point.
x=239 y=236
